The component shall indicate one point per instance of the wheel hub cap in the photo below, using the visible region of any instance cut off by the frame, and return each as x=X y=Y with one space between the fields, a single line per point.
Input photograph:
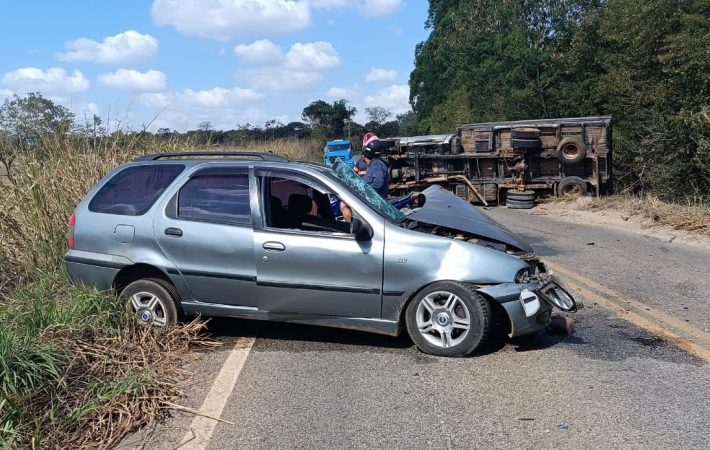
x=442 y=319
x=145 y=316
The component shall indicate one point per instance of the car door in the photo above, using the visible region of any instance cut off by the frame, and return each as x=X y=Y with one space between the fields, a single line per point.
x=312 y=270
x=206 y=231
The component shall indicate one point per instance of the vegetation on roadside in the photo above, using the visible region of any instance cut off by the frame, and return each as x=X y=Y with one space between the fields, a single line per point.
x=693 y=217
x=75 y=372
x=643 y=62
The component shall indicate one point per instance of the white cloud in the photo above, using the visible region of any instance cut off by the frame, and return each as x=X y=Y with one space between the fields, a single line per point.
x=280 y=79
x=262 y=52
x=128 y=46
x=224 y=19
x=337 y=92
x=132 y=80
x=380 y=7
x=379 y=75
x=275 y=70
x=312 y=56
x=366 y=7
x=217 y=97
x=395 y=98
x=223 y=107
x=53 y=82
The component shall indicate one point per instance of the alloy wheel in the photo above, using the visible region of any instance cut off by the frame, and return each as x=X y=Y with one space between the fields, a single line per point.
x=443 y=319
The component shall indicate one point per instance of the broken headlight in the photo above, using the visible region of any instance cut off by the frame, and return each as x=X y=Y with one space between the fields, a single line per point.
x=523 y=276
x=554 y=294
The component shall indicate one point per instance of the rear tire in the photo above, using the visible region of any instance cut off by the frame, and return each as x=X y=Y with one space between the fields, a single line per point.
x=520 y=195
x=572 y=186
x=520 y=204
x=152 y=301
x=525 y=133
x=448 y=319
x=571 y=151
x=525 y=143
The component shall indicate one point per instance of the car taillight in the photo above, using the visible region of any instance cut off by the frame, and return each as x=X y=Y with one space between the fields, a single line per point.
x=70 y=235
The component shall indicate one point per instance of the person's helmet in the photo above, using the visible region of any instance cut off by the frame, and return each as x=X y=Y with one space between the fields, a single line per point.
x=369 y=137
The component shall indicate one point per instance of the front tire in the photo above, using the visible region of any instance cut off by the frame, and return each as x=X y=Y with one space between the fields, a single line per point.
x=448 y=319
x=153 y=302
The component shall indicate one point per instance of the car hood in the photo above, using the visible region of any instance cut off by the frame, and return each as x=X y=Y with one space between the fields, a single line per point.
x=444 y=209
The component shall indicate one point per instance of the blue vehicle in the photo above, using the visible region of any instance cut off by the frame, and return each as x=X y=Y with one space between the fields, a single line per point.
x=339 y=149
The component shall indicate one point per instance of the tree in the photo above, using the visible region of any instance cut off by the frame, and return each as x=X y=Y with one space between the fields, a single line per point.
x=378 y=114
x=328 y=120
x=25 y=122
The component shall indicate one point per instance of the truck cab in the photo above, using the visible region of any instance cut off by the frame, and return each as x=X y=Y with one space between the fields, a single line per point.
x=339 y=149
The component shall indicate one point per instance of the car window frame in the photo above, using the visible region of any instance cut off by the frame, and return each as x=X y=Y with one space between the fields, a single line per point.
x=260 y=175
x=172 y=207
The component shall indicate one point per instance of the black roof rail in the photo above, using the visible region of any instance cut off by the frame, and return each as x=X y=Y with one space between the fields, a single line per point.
x=255 y=155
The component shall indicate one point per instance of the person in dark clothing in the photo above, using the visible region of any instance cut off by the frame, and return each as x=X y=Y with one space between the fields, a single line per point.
x=377 y=175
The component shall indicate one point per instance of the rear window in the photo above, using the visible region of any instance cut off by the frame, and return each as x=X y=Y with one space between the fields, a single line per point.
x=132 y=191
x=216 y=197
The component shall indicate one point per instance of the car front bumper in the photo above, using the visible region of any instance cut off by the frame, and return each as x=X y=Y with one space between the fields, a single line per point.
x=529 y=305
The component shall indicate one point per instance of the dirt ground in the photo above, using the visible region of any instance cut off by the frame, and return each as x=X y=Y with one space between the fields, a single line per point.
x=579 y=211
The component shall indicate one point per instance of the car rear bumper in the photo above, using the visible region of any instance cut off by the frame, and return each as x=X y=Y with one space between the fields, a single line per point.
x=93 y=269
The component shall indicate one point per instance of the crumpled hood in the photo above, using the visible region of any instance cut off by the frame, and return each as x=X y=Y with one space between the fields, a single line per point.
x=447 y=210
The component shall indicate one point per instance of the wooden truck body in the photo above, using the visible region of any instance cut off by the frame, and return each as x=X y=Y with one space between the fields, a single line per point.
x=483 y=161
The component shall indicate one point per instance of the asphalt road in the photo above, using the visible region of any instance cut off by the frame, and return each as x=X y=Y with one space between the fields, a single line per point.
x=609 y=385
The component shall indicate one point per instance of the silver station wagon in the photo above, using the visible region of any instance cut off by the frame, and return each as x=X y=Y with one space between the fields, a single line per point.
x=257 y=236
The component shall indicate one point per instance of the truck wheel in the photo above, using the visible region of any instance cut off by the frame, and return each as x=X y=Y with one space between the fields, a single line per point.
x=448 y=319
x=525 y=133
x=525 y=143
x=520 y=195
x=151 y=301
x=520 y=204
x=571 y=151
x=572 y=186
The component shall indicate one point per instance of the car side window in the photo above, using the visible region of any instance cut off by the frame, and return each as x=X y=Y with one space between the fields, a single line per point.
x=133 y=190
x=293 y=204
x=216 y=196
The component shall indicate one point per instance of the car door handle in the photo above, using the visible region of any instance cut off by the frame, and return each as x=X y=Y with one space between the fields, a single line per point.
x=176 y=232
x=274 y=246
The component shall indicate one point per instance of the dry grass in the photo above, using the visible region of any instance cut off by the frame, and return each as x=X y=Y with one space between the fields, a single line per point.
x=74 y=370
x=692 y=217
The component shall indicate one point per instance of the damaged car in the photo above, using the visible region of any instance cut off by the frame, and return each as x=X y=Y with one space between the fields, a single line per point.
x=254 y=236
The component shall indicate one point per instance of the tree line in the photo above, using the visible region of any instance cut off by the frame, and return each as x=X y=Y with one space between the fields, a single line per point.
x=27 y=121
x=646 y=63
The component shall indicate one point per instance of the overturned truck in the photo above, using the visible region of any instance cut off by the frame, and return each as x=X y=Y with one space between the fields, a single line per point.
x=508 y=162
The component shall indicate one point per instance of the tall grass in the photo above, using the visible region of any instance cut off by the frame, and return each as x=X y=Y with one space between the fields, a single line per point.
x=75 y=372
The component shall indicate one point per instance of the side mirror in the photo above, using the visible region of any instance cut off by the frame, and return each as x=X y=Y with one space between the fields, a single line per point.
x=361 y=230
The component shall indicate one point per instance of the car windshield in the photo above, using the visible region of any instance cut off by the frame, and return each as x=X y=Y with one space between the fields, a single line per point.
x=334 y=147
x=365 y=192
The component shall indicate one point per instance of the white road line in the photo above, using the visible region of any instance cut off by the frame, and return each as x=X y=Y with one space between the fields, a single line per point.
x=200 y=432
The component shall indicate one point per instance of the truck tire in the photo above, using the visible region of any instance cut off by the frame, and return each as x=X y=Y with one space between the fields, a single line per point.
x=525 y=133
x=520 y=195
x=571 y=151
x=526 y=143
x=571 y=186
x=520 y=204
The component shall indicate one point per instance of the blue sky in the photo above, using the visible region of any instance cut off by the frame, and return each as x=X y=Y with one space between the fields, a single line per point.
x=180 y=62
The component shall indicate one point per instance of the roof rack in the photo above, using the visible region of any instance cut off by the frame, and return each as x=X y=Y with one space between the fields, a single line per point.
x=255 y=155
